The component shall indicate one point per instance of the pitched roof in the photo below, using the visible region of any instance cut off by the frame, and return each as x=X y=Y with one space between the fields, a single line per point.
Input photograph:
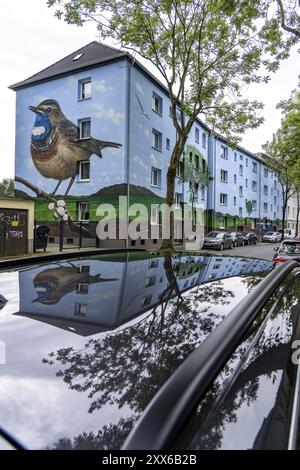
x=87 y=56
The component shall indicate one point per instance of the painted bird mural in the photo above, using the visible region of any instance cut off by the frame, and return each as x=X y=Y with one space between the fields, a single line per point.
x=56 y=147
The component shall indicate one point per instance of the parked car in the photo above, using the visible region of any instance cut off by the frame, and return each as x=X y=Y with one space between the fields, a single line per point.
x=288 y=250
x=218 y=240
x=272 y=237
x=136 y=350
x=250 y=238
x=289 y=233
x=238 y=239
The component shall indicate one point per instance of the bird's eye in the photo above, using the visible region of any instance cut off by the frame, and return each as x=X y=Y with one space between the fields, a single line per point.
x=48 y=110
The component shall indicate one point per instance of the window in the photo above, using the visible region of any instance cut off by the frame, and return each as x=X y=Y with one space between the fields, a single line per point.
x=265 y=206
x=154 y=214
x=234 y=179
x=153 y=263
x=240 y=212
x=178 y=199
x=272 y=191
x=224 y=176
x=222 y=222
x=246 y=182
x=82 y=288
x=266 y=172
x=83 y=211
x=155 y=177
x=246 y=161
x=84 y=268
x=254 y=167
x=80 y=310
x=156 y=140
x=85 y=89
x=168 y=143
x=170 y=111
x=77 y=57
x=241 y=157
x=197 y=135
x=241 y=170
x=147 y=300
x=203 y=140
x=254 y=205
x=179 y=170
x=150 y=281
x=235 y=156
x=241 y=191
x=265 y=190
x=203 y=194
x=197 y=164
x=84 y=128
x=223 y=199
x=254 y=185
x=157 y=103
x=224 y=152
x=234 y=200
x=84 y=171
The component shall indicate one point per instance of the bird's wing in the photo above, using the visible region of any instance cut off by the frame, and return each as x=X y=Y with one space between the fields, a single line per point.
x=69 y=130
x=94 y=146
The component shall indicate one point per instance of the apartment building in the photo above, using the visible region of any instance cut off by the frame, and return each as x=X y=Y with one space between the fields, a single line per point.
x=96 y=125
x=293 y=215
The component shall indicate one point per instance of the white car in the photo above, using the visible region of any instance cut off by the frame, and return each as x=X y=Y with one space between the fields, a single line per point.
x=271 y=237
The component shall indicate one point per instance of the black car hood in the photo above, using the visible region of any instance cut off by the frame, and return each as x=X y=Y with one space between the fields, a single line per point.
x=88 y=342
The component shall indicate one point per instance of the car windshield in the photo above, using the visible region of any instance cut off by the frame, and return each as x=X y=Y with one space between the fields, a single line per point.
x=290 y=248
x=215 y=235
x=270 y=233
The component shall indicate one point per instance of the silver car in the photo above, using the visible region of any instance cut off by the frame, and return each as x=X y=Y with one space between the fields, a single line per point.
x=218 y=240
x=271 y=237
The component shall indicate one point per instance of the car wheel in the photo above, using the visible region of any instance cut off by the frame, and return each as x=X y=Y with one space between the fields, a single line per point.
x=222 y=247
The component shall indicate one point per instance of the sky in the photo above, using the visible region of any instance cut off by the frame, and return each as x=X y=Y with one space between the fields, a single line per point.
x=32 y=38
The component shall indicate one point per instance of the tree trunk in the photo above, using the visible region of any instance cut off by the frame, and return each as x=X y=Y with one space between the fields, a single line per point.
x=284 y=206
x=171 y=175
x=297 y=214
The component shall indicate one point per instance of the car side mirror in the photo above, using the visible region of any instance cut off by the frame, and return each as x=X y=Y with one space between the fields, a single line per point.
x=276 y=248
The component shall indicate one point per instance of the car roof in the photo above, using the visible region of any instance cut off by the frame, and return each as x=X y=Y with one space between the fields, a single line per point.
x=92 y=339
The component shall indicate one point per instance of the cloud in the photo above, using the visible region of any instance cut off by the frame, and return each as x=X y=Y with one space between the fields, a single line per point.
x=102 y=86
x=140 y=89
x=110 y=114
x=140 y=162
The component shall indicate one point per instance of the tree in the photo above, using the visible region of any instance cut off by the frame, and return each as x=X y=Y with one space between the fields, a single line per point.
x=283 y=152
x=249 y=208
x=195 y=172
x=297 y=212
x=205 y=50
x=7 y=187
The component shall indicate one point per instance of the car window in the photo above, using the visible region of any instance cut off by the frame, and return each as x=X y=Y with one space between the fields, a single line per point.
x=290 y=248
x=212 y=234
x=220 y=235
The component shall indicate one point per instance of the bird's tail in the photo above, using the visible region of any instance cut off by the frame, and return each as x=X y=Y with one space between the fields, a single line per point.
x=98 y=145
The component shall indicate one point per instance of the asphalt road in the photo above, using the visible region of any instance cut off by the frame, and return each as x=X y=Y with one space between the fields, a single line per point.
x=261 y=251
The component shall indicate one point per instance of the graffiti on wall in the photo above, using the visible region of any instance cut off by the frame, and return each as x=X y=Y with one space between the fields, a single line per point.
x=57 y=147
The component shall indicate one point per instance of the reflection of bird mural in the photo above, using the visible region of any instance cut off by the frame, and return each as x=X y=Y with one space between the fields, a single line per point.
x=51 y=285
x=56 y=148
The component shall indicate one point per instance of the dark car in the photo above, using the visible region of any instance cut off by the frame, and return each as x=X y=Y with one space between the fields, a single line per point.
x=238 y=239
x=145 y=350
x=288 y=250
x=250 y=238
x=218 y=240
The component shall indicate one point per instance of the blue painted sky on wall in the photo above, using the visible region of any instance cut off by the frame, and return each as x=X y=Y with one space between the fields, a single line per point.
x=106 y=109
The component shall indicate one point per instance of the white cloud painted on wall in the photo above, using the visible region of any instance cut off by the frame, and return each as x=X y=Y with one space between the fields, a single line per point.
x=140 y=162
x=101 y=86
x=110 y=114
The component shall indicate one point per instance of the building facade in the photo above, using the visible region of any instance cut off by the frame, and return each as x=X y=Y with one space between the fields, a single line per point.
x=97 y=125
x=293 y=215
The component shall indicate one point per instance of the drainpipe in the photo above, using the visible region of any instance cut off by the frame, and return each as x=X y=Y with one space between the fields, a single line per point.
x=128 y=108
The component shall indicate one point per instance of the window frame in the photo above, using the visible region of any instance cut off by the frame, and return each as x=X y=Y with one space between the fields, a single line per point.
x=80 y=165
x=81 y=84
x=80 y=123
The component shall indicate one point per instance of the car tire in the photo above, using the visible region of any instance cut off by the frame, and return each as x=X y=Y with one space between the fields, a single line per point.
x=222 y=247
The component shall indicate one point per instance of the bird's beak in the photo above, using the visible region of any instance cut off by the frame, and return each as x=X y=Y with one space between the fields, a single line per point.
x=34 y=109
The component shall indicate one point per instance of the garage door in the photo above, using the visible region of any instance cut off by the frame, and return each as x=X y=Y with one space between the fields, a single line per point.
x=13 y=232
